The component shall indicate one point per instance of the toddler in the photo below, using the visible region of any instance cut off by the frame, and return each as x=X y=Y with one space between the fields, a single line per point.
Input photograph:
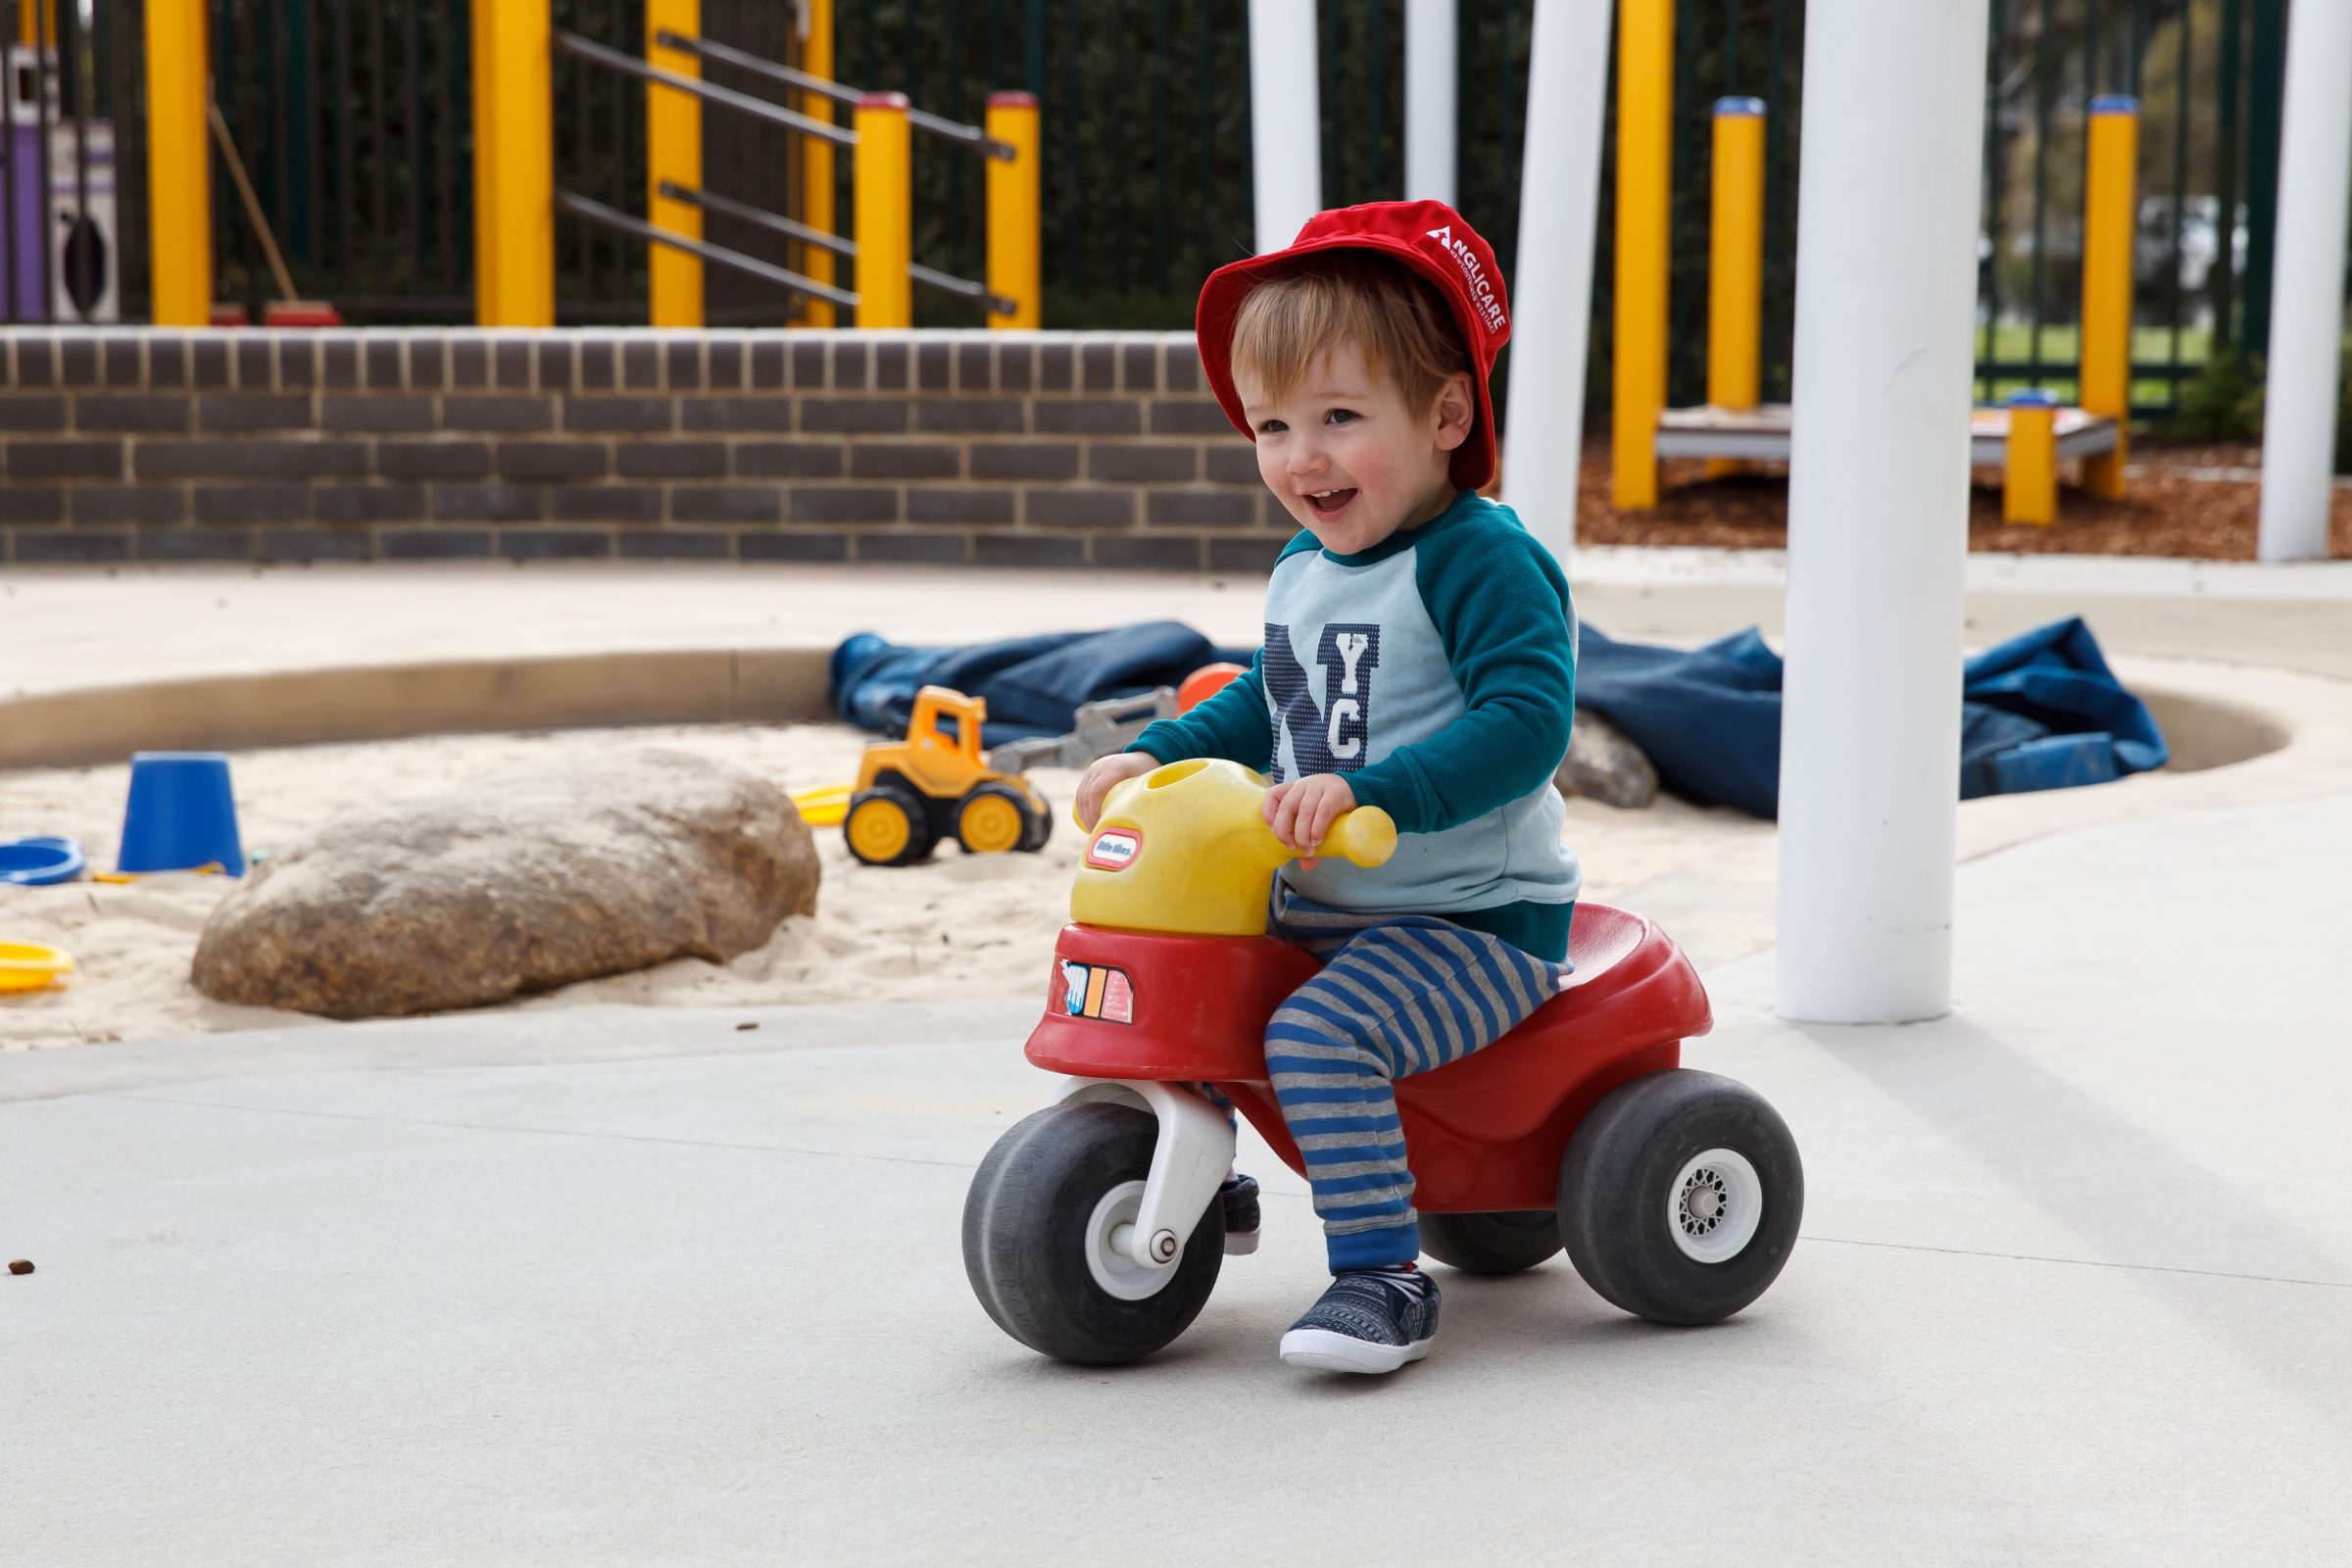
x=1420 y=656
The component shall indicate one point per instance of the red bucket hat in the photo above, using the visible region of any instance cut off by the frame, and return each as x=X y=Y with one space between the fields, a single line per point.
x=1432 y=239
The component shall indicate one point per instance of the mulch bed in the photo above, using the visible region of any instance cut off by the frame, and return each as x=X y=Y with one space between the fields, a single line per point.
x=2173 y=506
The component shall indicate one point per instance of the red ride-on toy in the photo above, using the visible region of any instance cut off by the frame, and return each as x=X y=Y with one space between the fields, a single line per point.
x=1091 y=1232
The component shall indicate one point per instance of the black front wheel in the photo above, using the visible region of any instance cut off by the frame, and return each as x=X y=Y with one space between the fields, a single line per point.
x=1679 y=1197
x=1038 y=1229
x=1492 y=1244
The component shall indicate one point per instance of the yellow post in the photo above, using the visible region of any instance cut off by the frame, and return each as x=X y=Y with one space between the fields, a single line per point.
x=673 y=151
x=513 y=164
x=816 y=157
x=1015 y=269
x=2029 y=477
x=1644 y=192
x=2108 y=213
x=37 y=25
x=884 y=185
x=1736 y=262
x=179 y=164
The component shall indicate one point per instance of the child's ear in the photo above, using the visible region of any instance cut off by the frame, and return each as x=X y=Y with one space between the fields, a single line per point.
x=1456 y=410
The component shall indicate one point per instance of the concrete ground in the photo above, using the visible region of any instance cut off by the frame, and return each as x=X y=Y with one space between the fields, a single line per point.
x=2074 y=1285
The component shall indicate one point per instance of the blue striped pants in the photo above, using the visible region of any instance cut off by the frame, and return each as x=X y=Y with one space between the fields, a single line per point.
x=1397 y=994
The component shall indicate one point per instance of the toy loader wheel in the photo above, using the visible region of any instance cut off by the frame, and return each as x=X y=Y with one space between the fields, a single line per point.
x=886 y=825
x=992 y=819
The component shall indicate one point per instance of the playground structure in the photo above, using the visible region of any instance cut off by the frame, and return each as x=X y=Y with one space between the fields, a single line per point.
x=516 y=200
x=2026 y=437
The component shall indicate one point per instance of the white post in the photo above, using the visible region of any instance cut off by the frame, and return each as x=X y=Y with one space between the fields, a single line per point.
x=1878 y=507
x=1552 y=297
x=1430 y=38
x=1286 y=122
x=2307 y=289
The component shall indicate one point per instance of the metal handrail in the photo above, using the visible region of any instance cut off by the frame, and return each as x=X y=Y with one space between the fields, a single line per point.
x=962 y=287
x=598 y=213
x=934 y=124
x=714 y=202
x=579 y=48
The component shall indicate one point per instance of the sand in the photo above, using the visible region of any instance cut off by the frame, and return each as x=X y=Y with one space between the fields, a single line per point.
x=968 y=925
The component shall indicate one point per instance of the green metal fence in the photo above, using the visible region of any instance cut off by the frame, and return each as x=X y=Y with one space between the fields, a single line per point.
x=356 y=120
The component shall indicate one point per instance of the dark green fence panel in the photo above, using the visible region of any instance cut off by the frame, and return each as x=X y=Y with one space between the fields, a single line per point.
x=354 y=119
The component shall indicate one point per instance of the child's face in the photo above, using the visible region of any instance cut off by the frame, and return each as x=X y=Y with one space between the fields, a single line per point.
x=1352 y=462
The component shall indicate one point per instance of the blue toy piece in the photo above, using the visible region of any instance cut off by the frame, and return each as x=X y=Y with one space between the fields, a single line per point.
x=40 y=860
x=181 y=815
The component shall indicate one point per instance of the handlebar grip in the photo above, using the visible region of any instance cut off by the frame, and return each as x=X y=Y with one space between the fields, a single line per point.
x=1365 y=836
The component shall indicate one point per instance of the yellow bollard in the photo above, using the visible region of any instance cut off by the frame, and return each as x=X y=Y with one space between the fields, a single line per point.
x=2029 y=476
x=673 y=152
x=513 y=164
x=179 y=163
x=1645 y=193
x=816 y=157
x=884 y=185
x=2109 y=206
x=1736 y=263
x=1015 y=269
x=37 y=25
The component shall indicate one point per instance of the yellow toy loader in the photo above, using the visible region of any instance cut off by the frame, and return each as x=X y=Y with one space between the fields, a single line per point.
x=910 y=794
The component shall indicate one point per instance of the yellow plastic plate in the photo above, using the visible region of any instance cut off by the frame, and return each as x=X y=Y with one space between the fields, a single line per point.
x=27 y=967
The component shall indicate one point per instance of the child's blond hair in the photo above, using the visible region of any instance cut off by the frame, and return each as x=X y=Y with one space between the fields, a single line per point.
x=1395 y=321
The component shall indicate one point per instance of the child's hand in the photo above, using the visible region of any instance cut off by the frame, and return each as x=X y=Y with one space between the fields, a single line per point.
x=1105 y=772
x=1302 y=812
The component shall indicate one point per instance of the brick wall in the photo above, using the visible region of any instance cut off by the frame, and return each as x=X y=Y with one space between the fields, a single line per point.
x=1017 y=449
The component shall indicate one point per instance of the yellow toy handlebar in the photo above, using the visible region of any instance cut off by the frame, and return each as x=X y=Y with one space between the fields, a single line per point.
x=1186 y=847
x=1365 y=836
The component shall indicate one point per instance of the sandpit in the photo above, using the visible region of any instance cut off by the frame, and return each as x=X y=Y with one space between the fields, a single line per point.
x=959 y=925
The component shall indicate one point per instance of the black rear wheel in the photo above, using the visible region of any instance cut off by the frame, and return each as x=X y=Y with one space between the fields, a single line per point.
x=1492 y=1244
x=1037 y=1238
x=1679 y=1197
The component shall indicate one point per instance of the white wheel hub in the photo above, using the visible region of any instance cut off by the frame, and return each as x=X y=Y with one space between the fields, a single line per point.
x=1714 y=1206
x=1108 y=1233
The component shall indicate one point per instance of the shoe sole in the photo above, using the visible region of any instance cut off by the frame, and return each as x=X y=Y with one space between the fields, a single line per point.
x=1327 y=1352
x=1237 y=1244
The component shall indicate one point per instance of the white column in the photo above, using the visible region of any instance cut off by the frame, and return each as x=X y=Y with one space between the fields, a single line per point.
x=1286 y=122
x=1552 y=294
x=2307 y=287
x=1878 y=507
x=1430 y=38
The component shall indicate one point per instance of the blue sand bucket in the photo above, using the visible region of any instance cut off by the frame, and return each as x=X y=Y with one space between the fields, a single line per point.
x=40 y=860
x=181 y=815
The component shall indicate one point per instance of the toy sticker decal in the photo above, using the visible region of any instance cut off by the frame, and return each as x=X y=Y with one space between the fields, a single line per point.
x=1096 y=991
x=1114 y=848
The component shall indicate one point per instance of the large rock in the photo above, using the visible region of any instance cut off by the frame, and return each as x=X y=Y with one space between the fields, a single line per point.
x=1602 y=764
x=514 y=882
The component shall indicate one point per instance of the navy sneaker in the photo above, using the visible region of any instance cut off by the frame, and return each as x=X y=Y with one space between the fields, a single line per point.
x=1239 y=1198
x=1370 y=1320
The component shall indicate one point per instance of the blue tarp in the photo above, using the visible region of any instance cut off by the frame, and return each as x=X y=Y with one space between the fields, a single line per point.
x=1032 y=685
x=2041 y=712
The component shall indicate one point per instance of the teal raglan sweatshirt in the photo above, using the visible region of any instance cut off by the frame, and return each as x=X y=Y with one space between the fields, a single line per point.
x=1436 y=670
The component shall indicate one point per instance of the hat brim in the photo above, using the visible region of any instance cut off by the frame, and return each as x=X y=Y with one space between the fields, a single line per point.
x=1473 y=463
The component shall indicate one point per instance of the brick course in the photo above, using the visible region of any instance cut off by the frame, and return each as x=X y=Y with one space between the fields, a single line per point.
x=1017 y=448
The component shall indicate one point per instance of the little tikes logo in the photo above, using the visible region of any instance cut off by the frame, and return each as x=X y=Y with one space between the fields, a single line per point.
x=1481 y=292
x=1114 y=848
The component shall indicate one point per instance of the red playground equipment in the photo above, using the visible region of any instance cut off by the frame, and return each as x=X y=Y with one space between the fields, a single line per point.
x=1091 y=1232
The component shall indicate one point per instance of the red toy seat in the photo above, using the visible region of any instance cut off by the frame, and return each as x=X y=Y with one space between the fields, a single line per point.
x=1485 y=1132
